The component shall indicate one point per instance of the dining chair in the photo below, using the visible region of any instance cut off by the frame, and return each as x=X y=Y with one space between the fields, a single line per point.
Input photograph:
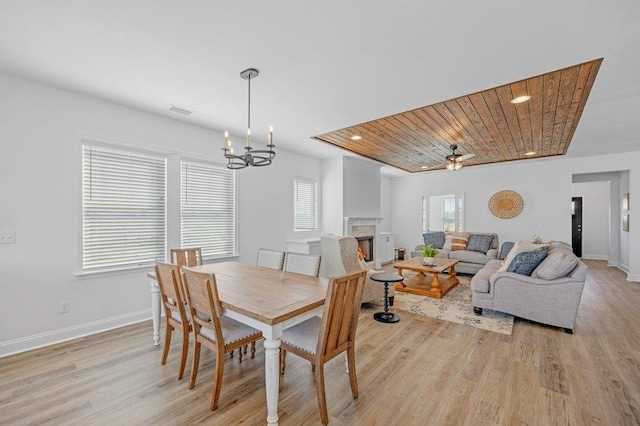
x=335 y=331
x=186 y=256
x=211 y=329
x=302 y=263
x=270 y=258
x=176 y=317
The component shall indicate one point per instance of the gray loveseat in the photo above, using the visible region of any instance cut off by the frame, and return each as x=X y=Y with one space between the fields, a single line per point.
x=472 y=259
x=543 y=297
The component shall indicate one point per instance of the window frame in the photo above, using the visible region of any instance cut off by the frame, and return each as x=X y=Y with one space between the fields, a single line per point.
x=119 y=147
x=217 y=165
x=459 y=216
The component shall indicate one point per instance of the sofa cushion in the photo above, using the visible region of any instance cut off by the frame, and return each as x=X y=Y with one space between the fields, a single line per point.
x=434 y=239
x=557 y=244
x=518 y=247
x=469 y=256
x=479 y=242
x=558 y=263
x=506 y=248
x=524 y=263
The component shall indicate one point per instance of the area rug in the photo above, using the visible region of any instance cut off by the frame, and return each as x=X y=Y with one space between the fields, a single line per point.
x=456 y=306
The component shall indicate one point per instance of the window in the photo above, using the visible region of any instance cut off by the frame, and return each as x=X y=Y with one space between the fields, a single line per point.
x=443 y=213
x=305 y=204
x=208 y=208
x=123 y=208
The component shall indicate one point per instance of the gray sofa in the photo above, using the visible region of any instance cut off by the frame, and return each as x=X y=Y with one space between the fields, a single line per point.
x=471 y=261
x=549 y=301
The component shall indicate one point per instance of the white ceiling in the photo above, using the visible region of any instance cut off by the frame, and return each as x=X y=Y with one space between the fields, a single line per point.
x=325 y=65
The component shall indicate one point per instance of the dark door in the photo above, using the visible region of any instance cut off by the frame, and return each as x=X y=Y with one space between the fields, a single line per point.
x=576 y=225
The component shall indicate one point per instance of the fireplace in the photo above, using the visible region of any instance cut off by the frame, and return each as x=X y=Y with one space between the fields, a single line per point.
x=367 y=231
x=366 y=245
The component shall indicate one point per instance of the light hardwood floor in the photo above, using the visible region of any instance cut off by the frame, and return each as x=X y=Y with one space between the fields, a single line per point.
x=415 y=372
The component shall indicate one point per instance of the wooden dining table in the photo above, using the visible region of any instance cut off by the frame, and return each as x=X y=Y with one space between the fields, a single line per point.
x=266 y=299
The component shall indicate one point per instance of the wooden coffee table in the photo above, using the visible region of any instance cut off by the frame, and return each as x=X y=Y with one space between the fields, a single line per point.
x=420 y=284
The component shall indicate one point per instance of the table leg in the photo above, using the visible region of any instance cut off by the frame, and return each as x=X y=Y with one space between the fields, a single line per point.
x=452 y=275
x=400 y=284
x=272 y=373
x=435 y=284
x=155 y=310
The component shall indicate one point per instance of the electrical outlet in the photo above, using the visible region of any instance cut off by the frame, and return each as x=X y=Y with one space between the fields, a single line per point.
x=64 y=307
x=8 y=237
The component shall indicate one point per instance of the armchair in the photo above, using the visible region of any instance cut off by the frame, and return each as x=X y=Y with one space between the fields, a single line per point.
x=340 y=257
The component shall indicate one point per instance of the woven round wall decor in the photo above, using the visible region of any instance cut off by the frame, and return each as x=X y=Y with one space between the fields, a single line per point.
x=505 y=204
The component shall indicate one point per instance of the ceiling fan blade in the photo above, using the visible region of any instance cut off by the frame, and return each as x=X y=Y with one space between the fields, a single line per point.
x=427 y=168
x=466 y=157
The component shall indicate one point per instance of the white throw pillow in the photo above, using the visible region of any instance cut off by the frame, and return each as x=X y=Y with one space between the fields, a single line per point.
x=448 y=239
x=558 y=263
x=518 y=247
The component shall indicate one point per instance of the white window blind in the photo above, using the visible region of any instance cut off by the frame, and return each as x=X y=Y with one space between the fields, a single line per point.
x=123 y=208
x=208 y=208
x=305 y=204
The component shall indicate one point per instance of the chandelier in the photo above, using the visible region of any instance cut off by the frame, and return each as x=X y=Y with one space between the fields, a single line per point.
x=251 y=157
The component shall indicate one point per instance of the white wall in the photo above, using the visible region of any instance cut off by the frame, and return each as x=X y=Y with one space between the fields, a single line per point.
x=596 y=222
x=545 y=186
x=361 y=185
x=533 y=181
x=40 y=201
x=385 y=203
x=332 y=201
x=351 y=188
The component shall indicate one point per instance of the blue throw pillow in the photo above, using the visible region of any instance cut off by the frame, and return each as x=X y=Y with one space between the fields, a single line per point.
x=506 y=248
x=525 y=263
x=479 y=243
x=434 y=239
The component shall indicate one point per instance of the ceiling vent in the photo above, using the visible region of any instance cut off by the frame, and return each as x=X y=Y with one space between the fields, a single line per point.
x=180 y=110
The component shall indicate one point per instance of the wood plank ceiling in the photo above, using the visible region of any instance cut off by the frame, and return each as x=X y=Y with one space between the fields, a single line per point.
x=486 y=124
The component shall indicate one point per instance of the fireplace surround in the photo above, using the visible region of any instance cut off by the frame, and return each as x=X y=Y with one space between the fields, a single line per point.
x=367 y=231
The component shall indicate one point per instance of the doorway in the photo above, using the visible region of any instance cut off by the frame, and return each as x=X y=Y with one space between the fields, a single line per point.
x=576 y=225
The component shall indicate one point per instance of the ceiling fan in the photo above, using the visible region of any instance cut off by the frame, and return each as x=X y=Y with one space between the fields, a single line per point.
x=454 y=160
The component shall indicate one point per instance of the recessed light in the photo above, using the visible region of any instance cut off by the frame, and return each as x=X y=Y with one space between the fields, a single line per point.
x=520 y=99
x=530 y=153
x=356 y=138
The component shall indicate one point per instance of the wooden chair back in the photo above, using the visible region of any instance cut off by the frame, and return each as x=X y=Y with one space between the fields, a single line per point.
x=340 y=317
x=204 y=302
x=302 y=263
x=172 y=296
x=168 y=275
x=186 y=256
x=206 y=313
x=270 y=258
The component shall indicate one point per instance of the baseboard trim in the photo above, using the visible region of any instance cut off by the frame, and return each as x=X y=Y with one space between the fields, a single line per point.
x=633 y=278
x=36 y=341
x=595 y=257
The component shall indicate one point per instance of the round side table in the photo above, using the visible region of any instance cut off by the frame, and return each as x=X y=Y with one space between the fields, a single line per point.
x=386 y=316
